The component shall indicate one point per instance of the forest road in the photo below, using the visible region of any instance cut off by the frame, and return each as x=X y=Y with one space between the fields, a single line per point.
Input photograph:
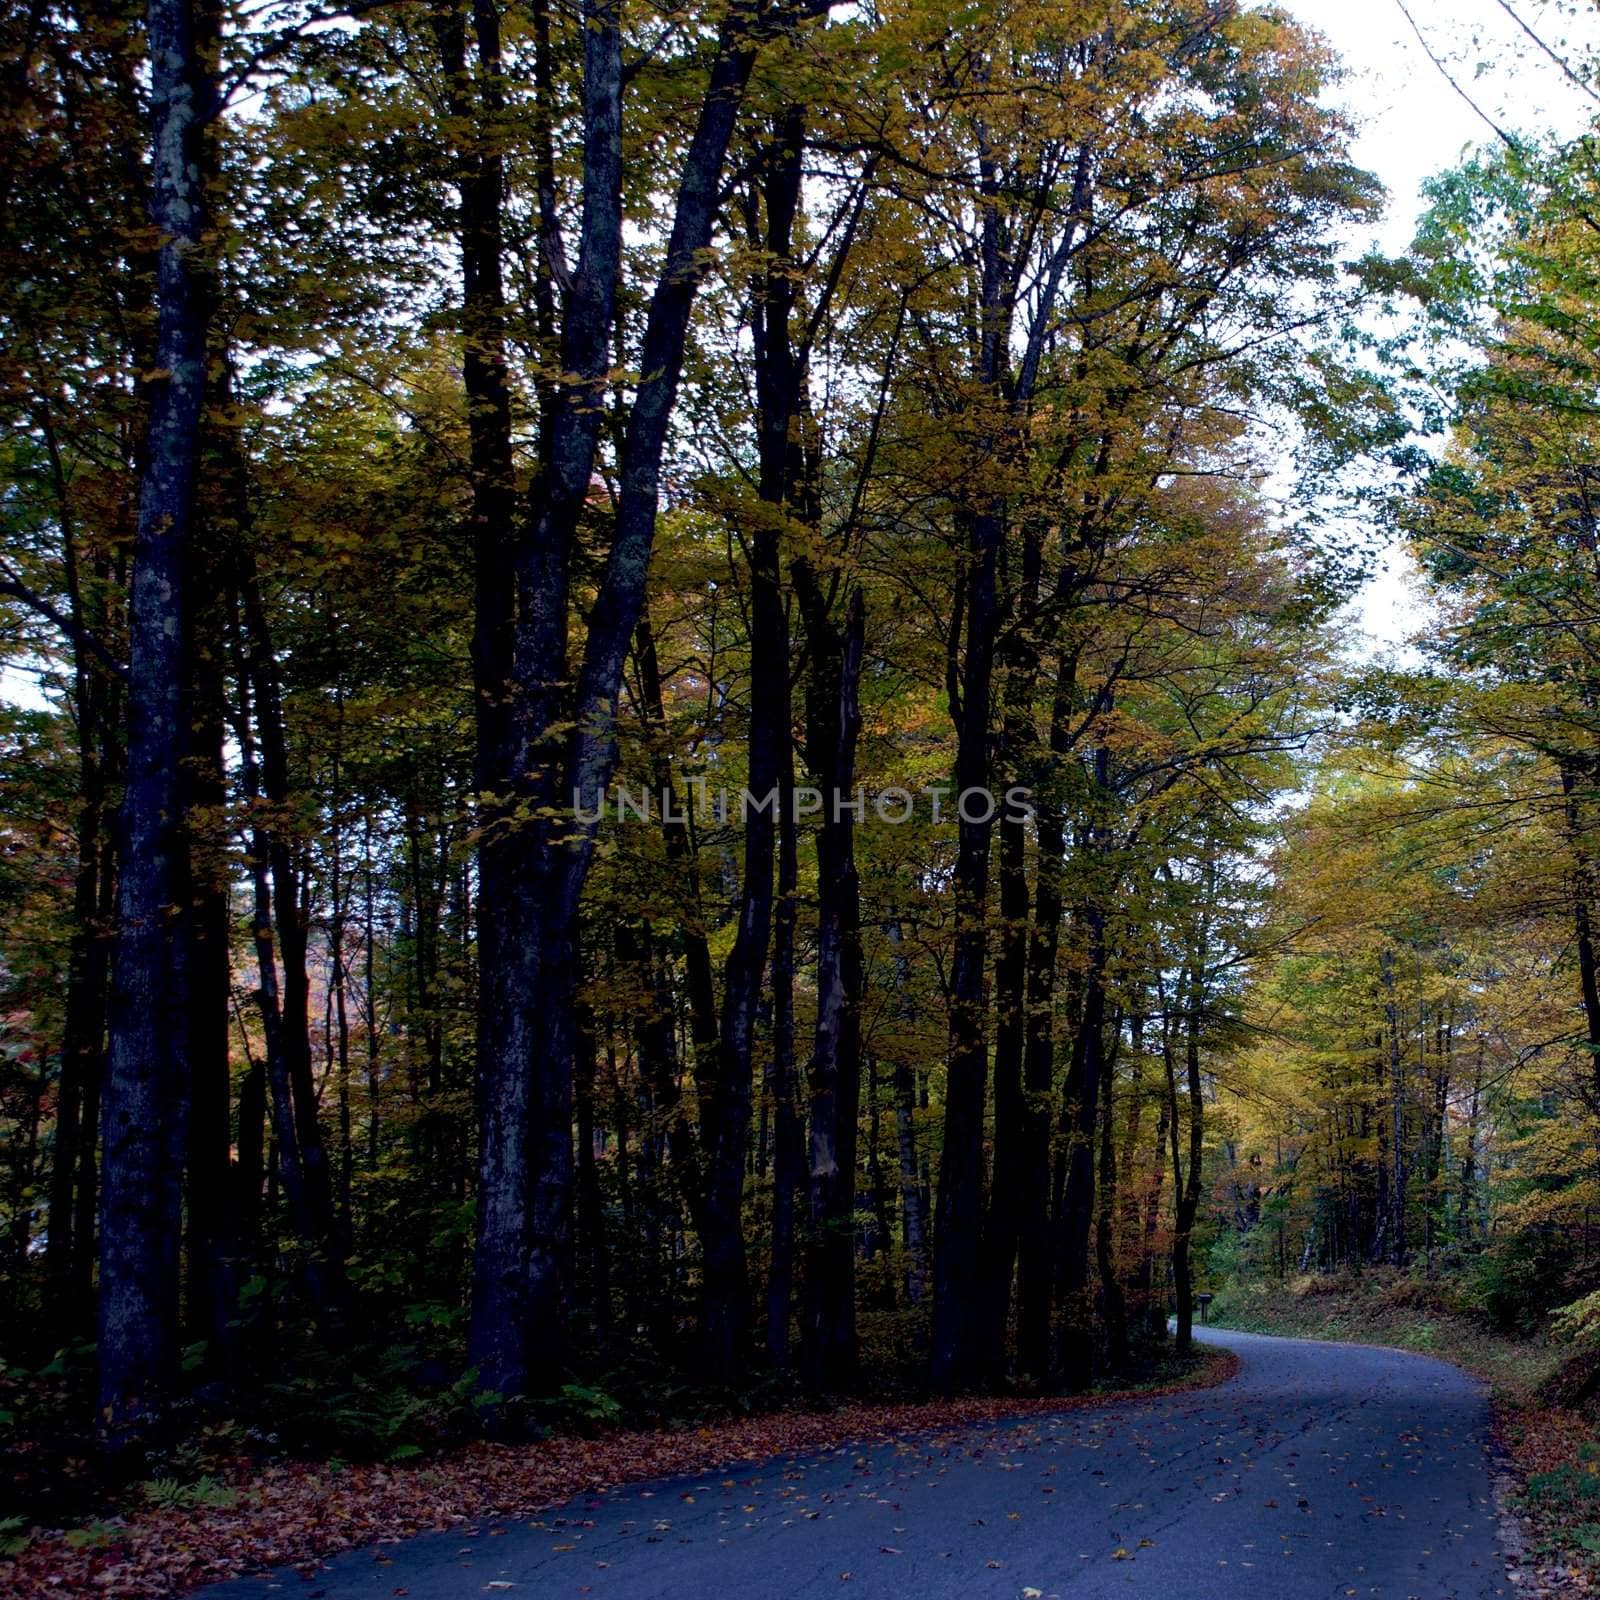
x=1322 y=1471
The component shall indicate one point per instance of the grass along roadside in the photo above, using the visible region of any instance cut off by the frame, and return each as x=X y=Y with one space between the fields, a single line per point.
x=1552 y=1448
x=297 y=1512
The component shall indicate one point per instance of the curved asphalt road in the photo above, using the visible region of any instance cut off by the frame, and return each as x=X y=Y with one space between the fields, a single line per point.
x=1321 y=1472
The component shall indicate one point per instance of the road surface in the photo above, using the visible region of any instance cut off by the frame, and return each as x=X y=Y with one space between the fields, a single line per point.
x=1321 y=1472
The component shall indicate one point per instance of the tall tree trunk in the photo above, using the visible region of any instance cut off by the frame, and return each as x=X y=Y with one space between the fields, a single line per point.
x=69 y=1246
x=958 y=1321
x=1113 y=1305
x=1187 y=1182
x=561 y=747
x=725 y=1314
x=833 y=718
x=788 y=1141
x=1154 y=1304
x=1080 y=1109
x=591 y=1203
x=1035 y=1263
x=1574 y=777
x=281 y=937
x=147 y=1065
x=913 y=1224
x=527 y=909
x=211 y=1280
x=215 y=1236
x=1398 y=1161
x=1008 y=1189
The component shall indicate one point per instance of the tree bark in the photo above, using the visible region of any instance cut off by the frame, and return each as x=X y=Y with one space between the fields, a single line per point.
x=147 y=1065
x=1113 y=1304
x=1003 y=1224
x=1187 y=1183
x=725 y=1305
x=833 y=719
x=1398 y=1163
x=1080 y=1109
x=561 y=746
x=788 y=1142
x=281 y=938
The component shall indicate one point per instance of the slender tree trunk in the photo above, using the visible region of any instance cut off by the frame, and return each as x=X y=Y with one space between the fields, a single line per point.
x=958 y=1317
x=213 y=1223
x=1467 y=1193
x=725 y=1314
x=591 y=1202
x=1154 y=1304
x=1397 y=1113
x=282 y=941
x=1573 y=777
x=1035 y=1256
x=69 y=1246
x=788 y=1144
x=913 y=1215
x=833 y=726
x=1187 y=1183
x=1079 y=1118
x=1113 y=1306
x=1007 y=1191
x=211 y=1278
x=147 y=1067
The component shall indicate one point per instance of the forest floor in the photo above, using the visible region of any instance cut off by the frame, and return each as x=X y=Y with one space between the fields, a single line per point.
x=1552 y=1451
x=245 y=1515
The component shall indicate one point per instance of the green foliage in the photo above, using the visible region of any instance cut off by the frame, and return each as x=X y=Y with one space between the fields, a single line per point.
x=587 y=1406
x=1578 y=1322
x=170 y=1494
x=373 y=1403
x=1570 y=1493
x=96 y=1535
x=1517 y=1282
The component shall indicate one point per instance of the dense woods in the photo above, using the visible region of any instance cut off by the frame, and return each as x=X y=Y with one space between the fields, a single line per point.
x=678 y=729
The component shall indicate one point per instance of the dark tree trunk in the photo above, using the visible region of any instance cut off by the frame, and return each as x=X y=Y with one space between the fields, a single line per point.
x=212 y=1280
x=147 y=1088
x=665 y=1154
x=958 y=1320
x=281 y=939
x=1035 y=1263
x=528 y=896
x=1008 y=1190
x=1398 y=1159
x=214 y=1232
x=69 y=1247
x=1079 y=1118
x=521 y=1263
x=726 y=1303
x=1113 y=1305
x=833 y=720
x=699 y=972
x=1187 y=1182
x=913 y=1215
x=1154 y=1304
x=958 y=1277
x=788 y=1142
x=595 y=1252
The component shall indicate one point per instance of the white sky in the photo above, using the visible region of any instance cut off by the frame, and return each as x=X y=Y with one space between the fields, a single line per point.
x=1413 y=124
